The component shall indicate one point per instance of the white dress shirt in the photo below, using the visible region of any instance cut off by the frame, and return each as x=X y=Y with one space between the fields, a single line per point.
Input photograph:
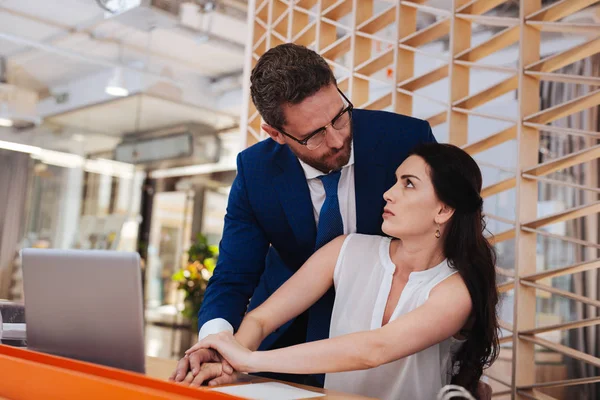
x=347 y=201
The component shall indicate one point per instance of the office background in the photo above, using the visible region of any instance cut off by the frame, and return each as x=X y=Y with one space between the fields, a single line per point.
x=120 y=121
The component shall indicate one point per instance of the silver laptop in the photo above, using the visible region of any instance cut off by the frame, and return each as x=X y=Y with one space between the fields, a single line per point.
x=85 y=305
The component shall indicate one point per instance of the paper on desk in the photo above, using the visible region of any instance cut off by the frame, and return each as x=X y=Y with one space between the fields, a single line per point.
x=268 y=391
x=13 y=332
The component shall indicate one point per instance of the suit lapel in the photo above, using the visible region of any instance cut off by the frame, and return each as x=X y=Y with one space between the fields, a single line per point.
x=369 y=179
x=369 y=182
x=294 y=196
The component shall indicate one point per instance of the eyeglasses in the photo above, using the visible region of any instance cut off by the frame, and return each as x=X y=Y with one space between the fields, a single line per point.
x=316 y=138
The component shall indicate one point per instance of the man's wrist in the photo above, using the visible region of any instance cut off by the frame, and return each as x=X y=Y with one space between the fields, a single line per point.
x=214 y=326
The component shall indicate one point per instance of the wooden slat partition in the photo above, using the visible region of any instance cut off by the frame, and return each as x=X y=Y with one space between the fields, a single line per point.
x=350 y=34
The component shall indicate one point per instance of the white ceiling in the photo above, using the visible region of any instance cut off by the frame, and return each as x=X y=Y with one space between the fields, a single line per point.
x=71 y=41
x=46 y=21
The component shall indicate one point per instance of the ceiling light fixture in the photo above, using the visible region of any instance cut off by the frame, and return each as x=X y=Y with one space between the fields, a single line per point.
x=68 y=160
x=116 y=85
x=21 y=148
x=209 y=6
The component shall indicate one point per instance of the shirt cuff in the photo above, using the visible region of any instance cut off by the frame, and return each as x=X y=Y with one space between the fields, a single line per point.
x=214 y=326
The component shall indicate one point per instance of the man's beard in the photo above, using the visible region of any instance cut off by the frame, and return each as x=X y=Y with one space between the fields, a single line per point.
x=332 y=160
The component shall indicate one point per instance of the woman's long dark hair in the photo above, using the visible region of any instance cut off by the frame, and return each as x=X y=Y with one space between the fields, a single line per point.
x=457 y=181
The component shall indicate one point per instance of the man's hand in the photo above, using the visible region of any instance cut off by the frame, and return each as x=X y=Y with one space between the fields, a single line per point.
x=238 y=356
x=211 y=373
x=193 y=362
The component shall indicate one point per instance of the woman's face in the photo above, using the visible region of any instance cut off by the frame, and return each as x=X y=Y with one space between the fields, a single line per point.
x=411 y=204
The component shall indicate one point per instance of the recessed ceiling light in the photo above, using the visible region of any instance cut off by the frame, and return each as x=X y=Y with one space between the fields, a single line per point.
x=117 y=91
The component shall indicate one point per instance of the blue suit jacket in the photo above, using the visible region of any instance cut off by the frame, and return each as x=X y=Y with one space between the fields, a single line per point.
x=270 y=229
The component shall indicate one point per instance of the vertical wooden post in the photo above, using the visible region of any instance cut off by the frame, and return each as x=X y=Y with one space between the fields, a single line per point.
x=404 y=66
x=523 y=367
x=460 y=40
x=360 y=51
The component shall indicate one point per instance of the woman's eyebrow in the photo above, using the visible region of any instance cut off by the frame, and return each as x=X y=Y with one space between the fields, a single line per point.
x=409 y=176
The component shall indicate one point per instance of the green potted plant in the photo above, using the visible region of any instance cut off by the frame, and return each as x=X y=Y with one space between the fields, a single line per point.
x=193 y=277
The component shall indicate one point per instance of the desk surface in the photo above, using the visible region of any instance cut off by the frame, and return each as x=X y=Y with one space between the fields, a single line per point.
x=160 y=368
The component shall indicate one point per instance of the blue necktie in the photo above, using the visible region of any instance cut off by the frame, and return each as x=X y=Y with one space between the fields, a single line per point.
x=330 y=218
x=330 y=227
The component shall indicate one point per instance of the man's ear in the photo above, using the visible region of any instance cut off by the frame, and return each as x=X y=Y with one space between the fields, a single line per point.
x=274 y=133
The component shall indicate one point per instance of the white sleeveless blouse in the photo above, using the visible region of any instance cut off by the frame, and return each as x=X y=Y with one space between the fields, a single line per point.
x=363 y=279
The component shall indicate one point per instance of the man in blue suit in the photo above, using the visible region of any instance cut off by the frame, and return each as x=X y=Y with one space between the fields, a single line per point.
x=322 y=173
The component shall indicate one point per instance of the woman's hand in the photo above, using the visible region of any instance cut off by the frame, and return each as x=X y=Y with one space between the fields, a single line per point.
x=229 y=348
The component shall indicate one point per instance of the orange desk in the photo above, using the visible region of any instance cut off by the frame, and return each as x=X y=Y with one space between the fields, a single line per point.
x=25 y=374
x=161 y=369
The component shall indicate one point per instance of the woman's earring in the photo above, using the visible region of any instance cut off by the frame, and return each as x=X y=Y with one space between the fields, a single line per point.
x=437 y=232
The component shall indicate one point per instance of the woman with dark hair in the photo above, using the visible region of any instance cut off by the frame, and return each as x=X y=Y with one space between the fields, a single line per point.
x=413 y=311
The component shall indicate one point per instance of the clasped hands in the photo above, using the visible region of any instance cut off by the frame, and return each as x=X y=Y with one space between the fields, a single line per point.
x=215 y=360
